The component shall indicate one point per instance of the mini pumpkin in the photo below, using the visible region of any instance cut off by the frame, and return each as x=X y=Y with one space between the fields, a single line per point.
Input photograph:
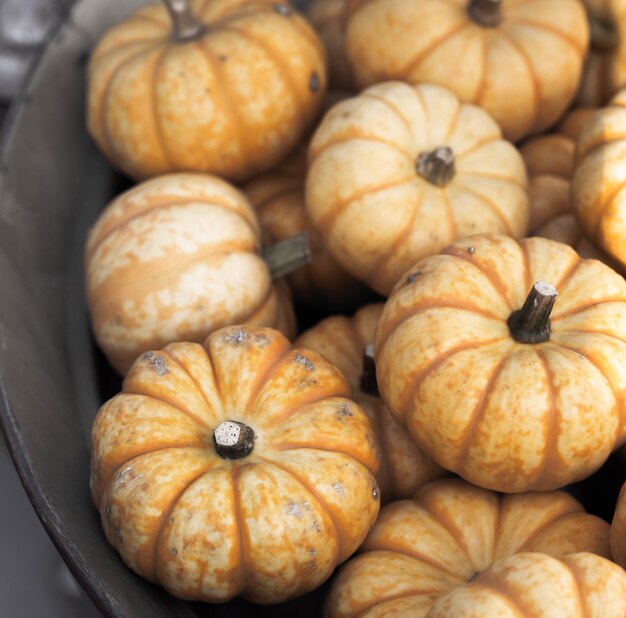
x=519 y=59
x=605 y=67
x=235 y=468
x=618 y=529
x=327 y=16
x=398 y=172
x=512 y=390
x=226 y=87
x=422 y=549
x=580 y=584
x=598 y=193
x=278 y=199
x=175 y=258
x=347 y=343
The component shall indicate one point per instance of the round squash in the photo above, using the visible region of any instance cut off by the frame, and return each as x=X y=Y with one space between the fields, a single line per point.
x=278 y=199
x=327 y=17
x=580 y=584
x=618 y=529
x=506 y=361
x=598 y=186
x=234 y=468
x=174 y=259
x=230 y=91
x=422 y=549
x=347 y=343
x=604 y=72
x=398 y=172
x=519 y=59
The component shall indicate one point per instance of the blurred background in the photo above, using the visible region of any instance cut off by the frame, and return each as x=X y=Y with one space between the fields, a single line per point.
x=33 y=579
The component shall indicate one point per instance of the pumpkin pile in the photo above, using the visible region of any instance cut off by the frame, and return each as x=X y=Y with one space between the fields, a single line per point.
x=407 y=291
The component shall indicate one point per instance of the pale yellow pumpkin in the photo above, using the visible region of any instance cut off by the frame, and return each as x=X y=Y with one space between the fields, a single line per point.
x=343 y=341
x=422 y=549
x=605 y=66
x=231 y=93
x=599 y=186
x=278 y=199
x=174 y=259
x=512 y=390
x=580 y=584
x=237 y=467
x=398 y=172
x=519 y=59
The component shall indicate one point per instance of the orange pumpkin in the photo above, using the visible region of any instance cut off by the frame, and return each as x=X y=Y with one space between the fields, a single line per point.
x=519 y=59
x=230 y=91
x=176 y=258
x=327 y=16
x=618 y=529
x=513 y=391
x=605 y=67
x=422 y=549
x=598 y=193
x=398 y=172
x=234 y=468
x=344 y=342
x=537 y=585
x=278 y=199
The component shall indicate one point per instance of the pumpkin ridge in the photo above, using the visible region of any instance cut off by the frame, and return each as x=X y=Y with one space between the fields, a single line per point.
x=314 y=495
x=392 y=106
x=154 y=101
x=546 y=526
x=584 y=307
x=478 y=412
x=480 y=90
x=483 y=142
x=164 y=519
x=406 y=594
x=487 y=203
x=145 y=44
x=235 y=475
x=209 y=405
x=547 y=27
x=579 y=586
x=148 y=16
x=533 y=80
x=450 y=210
x=591 y=332
x=483 y=174
x=528 y=281
x=417 y=93
x=495 y=588
x=360 y=136
x=561 y=284
x=409 y=392
x=410 y=66
x=605 y=206
x=173 y=404
x=326 y=222
x=289 y=446
x=453 y=124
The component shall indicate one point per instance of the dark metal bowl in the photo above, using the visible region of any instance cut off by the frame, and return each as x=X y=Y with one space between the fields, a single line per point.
x=53 y=183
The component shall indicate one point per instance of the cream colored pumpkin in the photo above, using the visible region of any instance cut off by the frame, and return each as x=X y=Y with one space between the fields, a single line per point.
x=519 y=59
x=278 y=199
x=537 y=585
x=598 y=193
x=231 y=97
x=422 y=549
x=398 y=172
x=237 y=467
x=513 y=391
x=605 y=67
x=176 y=258
x=342 y=340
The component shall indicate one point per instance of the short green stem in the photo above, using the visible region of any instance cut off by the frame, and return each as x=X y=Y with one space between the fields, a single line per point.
x=288 y=255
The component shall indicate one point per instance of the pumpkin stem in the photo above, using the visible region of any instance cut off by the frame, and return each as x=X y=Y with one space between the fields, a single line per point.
x=604 y=36
x=368 y=382
x=288 y=255
x=531 y=323
x=233 y=440
x=437 y=166
x=187 y=26
x=486 y=13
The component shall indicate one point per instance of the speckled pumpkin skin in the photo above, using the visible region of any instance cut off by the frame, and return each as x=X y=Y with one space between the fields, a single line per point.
x=270 y=526
x=533 y=584
x=278 y=200
x=506 y=415
x=598 y=192
x=422 y=549
x=233 y=102
x=604 y=72
x=342 y=340
x=174 y=259
x=524 y=71
x=375 y=213
x=618 y=529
